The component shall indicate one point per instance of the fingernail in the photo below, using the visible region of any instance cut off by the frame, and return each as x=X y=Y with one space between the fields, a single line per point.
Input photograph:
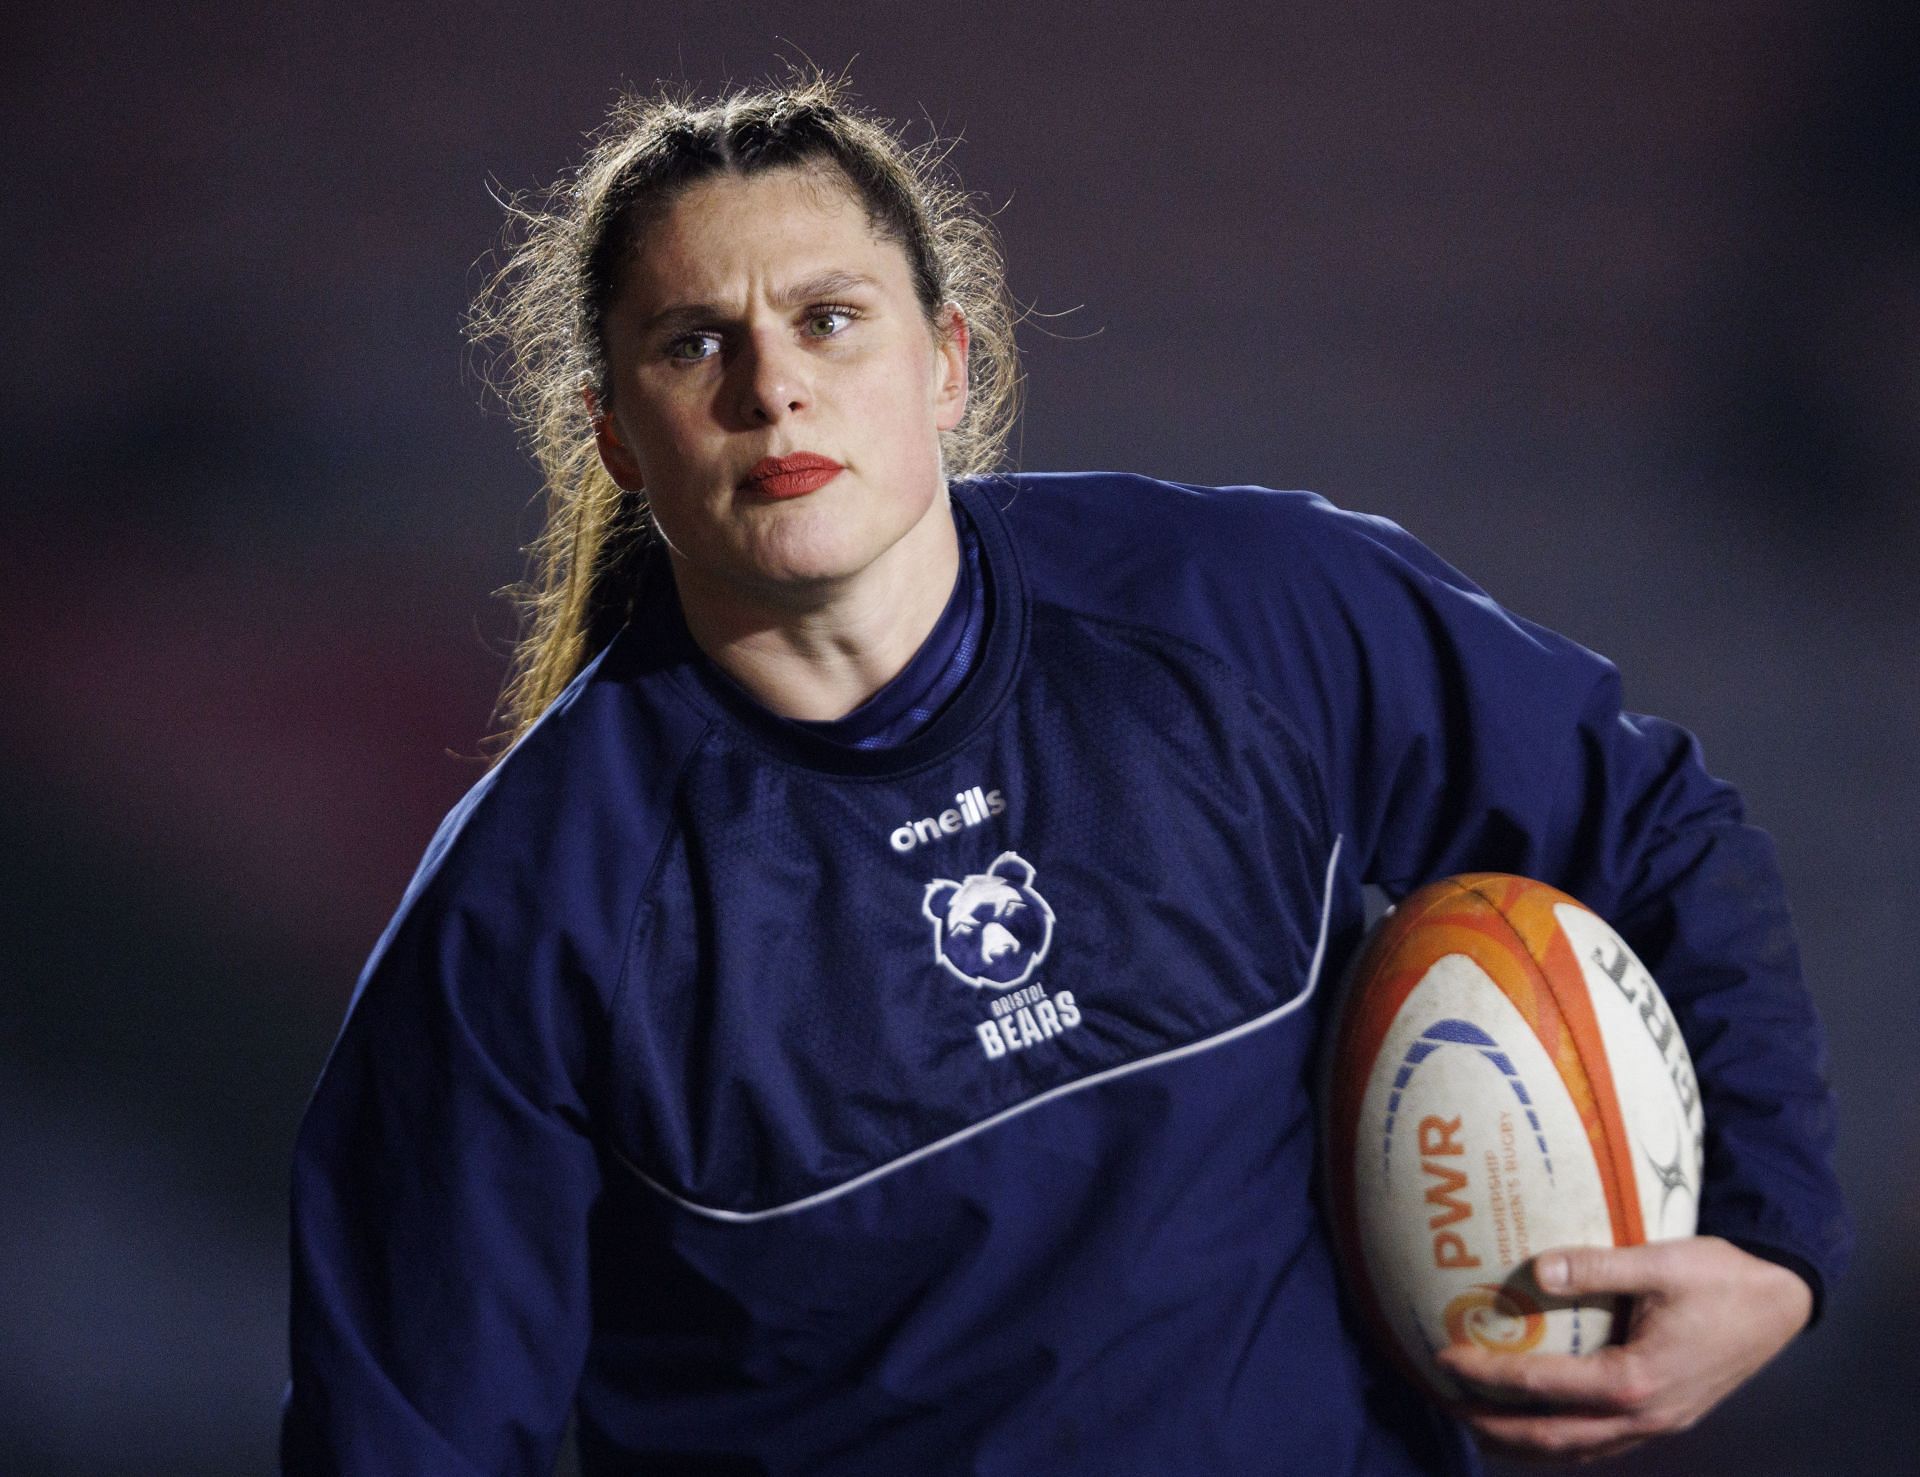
x=1551 y=1272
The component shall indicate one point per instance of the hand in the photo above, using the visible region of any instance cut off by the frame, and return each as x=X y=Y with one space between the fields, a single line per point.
x=1705 y=1316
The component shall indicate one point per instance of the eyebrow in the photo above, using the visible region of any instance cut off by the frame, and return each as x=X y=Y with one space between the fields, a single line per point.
x=813 y=289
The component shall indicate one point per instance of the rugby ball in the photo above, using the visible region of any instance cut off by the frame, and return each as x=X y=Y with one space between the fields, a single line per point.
x=1505 y=1078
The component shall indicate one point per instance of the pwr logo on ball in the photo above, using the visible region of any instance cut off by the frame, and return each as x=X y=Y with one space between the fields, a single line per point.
x=990 y=929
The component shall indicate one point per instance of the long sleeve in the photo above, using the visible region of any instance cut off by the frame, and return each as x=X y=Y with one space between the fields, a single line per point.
x=442 y=1186
x=1458 y=737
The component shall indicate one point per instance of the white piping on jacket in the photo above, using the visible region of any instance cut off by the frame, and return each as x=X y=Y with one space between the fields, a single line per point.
x=744 y=1217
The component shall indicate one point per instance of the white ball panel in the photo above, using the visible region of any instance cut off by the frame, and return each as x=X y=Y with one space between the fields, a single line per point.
x=1460 y=1050
x=1652 y=1074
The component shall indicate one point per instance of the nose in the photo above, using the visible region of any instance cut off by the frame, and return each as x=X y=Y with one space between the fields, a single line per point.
x=774 y=379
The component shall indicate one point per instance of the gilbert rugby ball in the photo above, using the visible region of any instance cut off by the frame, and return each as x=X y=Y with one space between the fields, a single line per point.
x=1505 y=1078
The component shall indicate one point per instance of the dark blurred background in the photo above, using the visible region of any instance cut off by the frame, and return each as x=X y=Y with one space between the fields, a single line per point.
x=1615 y=305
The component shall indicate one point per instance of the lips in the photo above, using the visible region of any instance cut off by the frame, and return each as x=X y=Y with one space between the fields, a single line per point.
x=792 y=476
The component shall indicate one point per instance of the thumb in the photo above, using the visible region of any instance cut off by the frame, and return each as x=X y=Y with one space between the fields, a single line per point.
x=1577 y=1271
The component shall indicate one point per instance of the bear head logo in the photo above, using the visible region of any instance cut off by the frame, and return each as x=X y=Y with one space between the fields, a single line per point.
x=991 y=929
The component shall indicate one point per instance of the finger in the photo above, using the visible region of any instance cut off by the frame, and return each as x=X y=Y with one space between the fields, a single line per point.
x=1561 y=1438
x=1579 y=1271
x=1612 y=1379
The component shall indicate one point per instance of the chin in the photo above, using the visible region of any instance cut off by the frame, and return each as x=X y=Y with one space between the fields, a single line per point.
x=814 y=550
x=812 y=543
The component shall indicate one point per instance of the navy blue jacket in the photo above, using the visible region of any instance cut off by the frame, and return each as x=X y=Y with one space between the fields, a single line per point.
x=946 y=1108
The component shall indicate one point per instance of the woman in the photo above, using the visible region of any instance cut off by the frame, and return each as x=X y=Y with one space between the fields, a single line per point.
x=862 y=1025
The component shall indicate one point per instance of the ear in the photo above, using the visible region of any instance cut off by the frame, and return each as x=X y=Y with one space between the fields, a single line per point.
x=950 y=389
x=615 y=455
x=1012 y=867
x=934 y=904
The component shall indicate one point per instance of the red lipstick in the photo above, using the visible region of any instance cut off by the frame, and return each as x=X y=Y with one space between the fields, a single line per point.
x=795 y=475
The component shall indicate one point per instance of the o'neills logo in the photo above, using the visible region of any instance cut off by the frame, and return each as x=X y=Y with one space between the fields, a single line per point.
x=970 y=808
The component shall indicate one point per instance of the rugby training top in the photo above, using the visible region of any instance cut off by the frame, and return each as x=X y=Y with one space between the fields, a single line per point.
x=787 y=1107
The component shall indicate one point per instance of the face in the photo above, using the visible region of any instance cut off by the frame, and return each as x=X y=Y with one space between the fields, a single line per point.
x=776 y=389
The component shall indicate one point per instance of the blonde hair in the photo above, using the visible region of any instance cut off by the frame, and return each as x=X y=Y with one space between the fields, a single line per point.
x=544 y=310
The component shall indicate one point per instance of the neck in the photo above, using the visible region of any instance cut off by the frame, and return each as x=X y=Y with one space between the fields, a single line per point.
x=819 y=652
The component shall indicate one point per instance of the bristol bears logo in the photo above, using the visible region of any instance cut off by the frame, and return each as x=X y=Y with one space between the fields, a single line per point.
x=992 y=929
